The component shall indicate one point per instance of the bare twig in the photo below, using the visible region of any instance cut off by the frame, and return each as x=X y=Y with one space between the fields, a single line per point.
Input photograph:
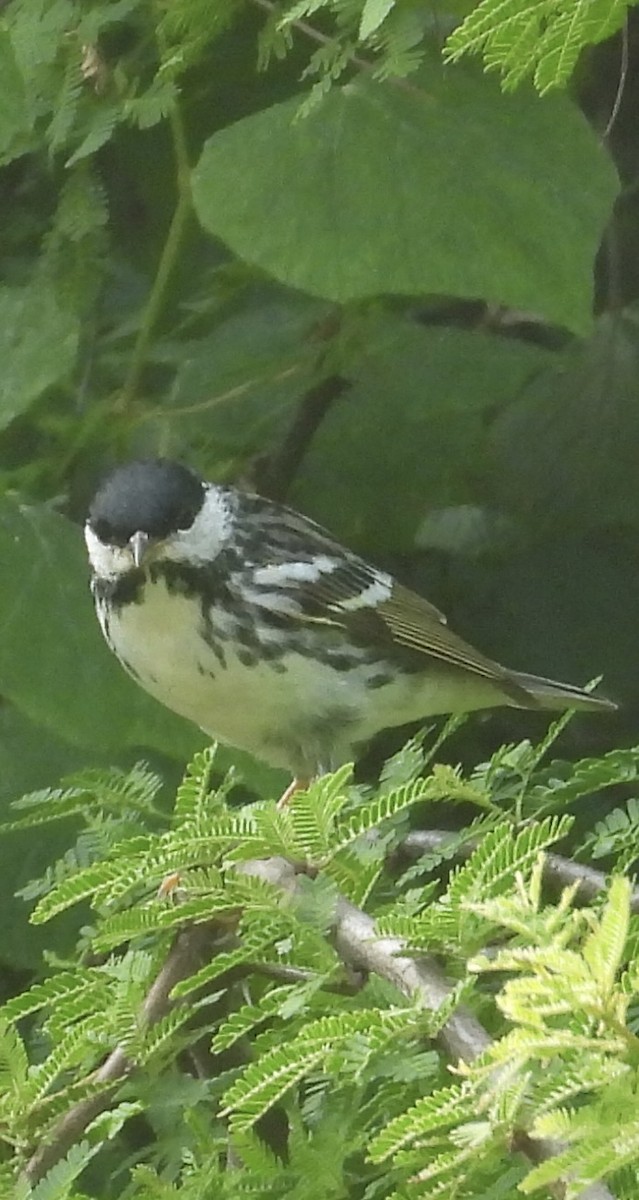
x=276 y=474
x=181 y=961
x=358 y=943
x=283 y=974
x=621 y=84
x=162 y=413
x=323 y=39
x=559 y=872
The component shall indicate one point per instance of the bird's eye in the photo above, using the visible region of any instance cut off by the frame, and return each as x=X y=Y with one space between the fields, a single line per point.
x=107 y=534
x=102 y=530
x=184 y=519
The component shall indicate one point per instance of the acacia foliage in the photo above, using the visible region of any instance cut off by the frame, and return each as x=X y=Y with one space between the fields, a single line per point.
x=277 y=1018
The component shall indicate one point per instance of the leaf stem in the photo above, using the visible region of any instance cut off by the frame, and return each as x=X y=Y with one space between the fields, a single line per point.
x=167 y=263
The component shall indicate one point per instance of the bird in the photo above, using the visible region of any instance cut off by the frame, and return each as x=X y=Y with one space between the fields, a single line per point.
x=250 y=620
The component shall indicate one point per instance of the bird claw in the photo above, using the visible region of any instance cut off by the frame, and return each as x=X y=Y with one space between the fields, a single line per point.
x=170 y=887
x=296 y=785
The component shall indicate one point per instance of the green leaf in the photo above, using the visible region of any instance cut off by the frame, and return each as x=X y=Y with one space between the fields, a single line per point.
x=14 y=1061
x=30 y=757
x=422 y=192
x=38 y=345
x=420 y=397
x=545 y=39
x=48 y=623
x=56 y=1184
x=604 y=948
x=581 y=415
x=264 y=1081
x=15 y=126
x=446 y=1107
x=245 y=377
x=374 y=13
x=501 y=853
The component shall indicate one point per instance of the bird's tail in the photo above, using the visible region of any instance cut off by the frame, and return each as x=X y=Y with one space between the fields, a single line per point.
x=549 y=694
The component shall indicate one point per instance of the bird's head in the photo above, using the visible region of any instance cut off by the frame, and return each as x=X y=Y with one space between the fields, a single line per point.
x=152 y=509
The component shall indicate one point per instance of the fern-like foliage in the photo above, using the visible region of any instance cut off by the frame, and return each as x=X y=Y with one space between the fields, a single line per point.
x=285 y=1023
x=538 y=38
x=568 y=1042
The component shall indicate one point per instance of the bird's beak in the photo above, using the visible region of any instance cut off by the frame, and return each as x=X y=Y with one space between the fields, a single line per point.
x=138 y=545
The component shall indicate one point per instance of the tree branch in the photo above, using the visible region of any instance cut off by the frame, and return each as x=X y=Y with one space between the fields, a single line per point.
x=169 y=259
x=275 y=475
x=359 y=946
x=182 y=960
x=462 y=1037
x=559 y=872
x=323 y=39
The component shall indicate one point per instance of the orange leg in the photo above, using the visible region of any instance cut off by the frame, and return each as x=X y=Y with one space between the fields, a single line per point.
x=296 y=785
x=169 y=886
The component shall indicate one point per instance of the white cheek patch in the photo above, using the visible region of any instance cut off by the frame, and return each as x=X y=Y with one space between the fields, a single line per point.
x=376 y=592
x=280 y=574
x=108 y=562
x=208 y=533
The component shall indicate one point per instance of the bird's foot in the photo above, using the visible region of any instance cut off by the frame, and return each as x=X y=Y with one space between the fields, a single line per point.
x=170 y=887
x=296 y=785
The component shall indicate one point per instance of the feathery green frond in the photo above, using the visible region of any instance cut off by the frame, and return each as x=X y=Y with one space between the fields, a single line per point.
x=265 y=1081
x=14 y=1060
x=491 y=867
x=56 y=1183
x=603 y=949
x=193 y=799
x=246 y=1019
x=320 y=1041
x=439 y=1111
x=93 y=881
x=538 y=38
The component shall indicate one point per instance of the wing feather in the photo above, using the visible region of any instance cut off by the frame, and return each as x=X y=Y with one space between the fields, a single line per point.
x=411 y=624
x=340 y=589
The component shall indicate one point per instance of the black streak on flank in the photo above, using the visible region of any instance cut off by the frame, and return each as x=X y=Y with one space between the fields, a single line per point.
x=379 y=680
x=208 y=633
x=246 y=656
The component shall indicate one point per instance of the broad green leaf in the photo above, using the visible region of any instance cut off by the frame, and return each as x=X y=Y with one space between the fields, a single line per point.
x=582 y=417
x=30 y=758
x=453 y=189
x=54 y=665
x=15 y=126
x=236 y=387
x=560 y=608
x=38 y=345
x=409 y=436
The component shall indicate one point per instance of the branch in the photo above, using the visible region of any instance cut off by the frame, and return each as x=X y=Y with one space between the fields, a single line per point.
x=182 y=960
x=323 y=39
x=169 y=260
x=462 y=1037
x=559 y=872
x=360 y=947
x=349 y=986
x=275 y=475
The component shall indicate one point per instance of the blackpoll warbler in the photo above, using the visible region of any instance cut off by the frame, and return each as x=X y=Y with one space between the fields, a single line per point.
x=251 y=621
